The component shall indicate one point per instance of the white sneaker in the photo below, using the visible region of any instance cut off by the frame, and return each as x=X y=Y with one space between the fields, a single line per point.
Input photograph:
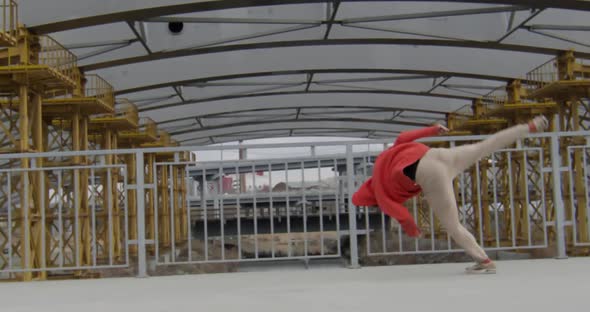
x=538 y=124
x=482 y=268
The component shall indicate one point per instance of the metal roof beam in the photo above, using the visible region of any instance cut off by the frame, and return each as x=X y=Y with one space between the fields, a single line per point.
x=140 y=37
x=95 y=44
x=104 y=50
x=331 y=20
x=341 y=123
x=559 y=27
x=428 y=73
x=403 y=32
x=411 y=16
x=234 y=110
x=485 y=45
x=519 y=26
x=267 y=94
x=214 y=5
x=250 y=36
x=229 y=20
x=241 y=84
x=408 y=77
x=379 y=124
x=558 y=37
x=234 y=138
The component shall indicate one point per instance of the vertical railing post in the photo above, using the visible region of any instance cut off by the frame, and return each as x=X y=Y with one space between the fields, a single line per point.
x=352 y=228
x=558 y=198
x=140 y=201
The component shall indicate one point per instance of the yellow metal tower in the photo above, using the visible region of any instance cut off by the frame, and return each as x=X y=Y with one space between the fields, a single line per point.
x=32 y=68
x=566 y=81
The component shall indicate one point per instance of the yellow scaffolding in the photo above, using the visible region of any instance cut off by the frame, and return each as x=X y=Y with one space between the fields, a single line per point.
x=170 y=180
x=146 y=132
x=97 y=98
x=502 y=108
x=9 y=32
x=30 y=67
x=47 y=104
x=566 y=81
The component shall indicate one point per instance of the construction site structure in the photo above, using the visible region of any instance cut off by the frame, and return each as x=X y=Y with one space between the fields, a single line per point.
x=559 y=90
x=76 y=212
x=67 y=212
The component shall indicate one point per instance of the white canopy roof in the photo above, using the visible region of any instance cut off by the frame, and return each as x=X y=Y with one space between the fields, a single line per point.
x=252 y=69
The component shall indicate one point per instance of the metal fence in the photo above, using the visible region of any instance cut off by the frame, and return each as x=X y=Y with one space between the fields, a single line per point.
x=55 y=216
x=260 y=209
x=579 y=210
x=489 y=206
x=270 y=207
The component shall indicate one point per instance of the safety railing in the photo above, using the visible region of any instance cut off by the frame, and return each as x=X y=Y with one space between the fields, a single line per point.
x=97 y=87
x=148 y=126
x=146 y=132
x=577 y=203
x=258 y=210
x=56 y=56
x=542 y=75
x=127 y=110
x=493 y=202
x=256 y=205
x=125 y=115
x=164 y=138
x=495 y=99
x=9 y=21
x=62 y=218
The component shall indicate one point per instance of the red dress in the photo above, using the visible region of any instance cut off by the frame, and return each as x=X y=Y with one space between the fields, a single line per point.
x=389 y=187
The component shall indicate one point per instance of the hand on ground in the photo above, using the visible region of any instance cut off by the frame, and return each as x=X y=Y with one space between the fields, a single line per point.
x=411 y=229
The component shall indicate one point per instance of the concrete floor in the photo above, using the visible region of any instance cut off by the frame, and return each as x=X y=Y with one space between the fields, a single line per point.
x=540 y=285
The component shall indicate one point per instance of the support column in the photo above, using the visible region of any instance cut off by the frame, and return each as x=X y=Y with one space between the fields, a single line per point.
x=118 y=212
x=176 y=206
x=25 y=185
x=140 y=226
x=86 y=226
x=485 y=204
x=164 y=205
x=78 y=194
x=150 y=205
x=132 y=201
x=352 y=228
x=107 y=197
x=558 y=200
x=39 y=237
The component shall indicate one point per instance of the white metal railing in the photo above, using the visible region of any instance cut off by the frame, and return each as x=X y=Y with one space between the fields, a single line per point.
x=306 y=217
x=579 y=207
x=60 y=216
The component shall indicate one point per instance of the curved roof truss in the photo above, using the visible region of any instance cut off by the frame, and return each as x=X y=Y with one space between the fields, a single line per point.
x=212 y=5
x=474 y=44
x=229 y=113
x=394 y=71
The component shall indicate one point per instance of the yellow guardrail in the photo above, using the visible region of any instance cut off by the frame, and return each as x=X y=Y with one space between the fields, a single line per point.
x=542 y=75
x=56 y=56
x=100 y=89
x=10 y=18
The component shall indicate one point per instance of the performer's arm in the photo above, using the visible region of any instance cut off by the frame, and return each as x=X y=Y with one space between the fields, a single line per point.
x=396 y=211
x=403 y=216
x=410 y=136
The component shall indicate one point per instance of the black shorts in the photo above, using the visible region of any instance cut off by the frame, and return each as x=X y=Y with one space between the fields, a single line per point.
x=410 y=171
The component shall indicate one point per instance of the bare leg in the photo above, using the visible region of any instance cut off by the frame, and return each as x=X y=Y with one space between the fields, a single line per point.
x=462 y=157
x=436 y=182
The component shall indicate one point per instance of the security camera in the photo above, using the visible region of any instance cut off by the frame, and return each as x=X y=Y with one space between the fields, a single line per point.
x=175 y=28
